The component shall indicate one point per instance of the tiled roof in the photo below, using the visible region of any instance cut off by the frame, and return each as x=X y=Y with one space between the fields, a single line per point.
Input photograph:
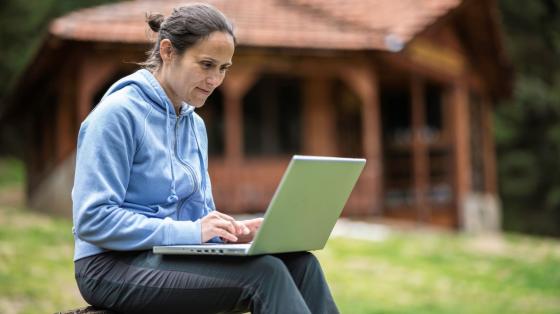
x=333 y=24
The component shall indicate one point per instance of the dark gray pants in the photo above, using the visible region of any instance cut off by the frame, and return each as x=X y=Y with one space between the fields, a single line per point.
x=143 y=282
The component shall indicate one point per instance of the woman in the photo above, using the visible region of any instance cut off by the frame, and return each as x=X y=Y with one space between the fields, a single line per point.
x=142 y=180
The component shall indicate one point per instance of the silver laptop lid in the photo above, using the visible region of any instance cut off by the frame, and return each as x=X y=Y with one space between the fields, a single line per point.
x=307 y=203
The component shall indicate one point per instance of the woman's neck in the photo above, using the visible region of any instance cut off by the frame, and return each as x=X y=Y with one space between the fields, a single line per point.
x=169 y=92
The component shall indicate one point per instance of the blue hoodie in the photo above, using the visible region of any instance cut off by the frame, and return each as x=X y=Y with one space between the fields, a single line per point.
x=141 y=171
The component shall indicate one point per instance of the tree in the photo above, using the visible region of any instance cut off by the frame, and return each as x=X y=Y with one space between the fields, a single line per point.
x=528 y=124
x=23 y=24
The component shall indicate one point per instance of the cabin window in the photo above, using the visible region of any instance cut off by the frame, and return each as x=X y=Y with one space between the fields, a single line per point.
x=348 y=114
x=404 y=185
x=396 y=117
x=213 y=115
x=272 y=116
x=436 y=137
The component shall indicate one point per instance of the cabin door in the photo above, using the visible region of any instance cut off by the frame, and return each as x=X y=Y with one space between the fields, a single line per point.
x=417 y=153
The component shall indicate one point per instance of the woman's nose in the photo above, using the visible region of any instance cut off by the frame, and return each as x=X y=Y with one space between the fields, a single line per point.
x=214 y=79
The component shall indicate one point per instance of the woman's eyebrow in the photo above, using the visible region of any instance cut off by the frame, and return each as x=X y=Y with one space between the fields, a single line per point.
x=215 y=61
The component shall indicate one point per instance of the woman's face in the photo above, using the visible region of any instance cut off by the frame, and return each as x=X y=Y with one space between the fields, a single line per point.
x=193 y=76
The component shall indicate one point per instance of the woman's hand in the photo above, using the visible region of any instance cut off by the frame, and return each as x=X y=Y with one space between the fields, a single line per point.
x=253 y=225
x=217 y=224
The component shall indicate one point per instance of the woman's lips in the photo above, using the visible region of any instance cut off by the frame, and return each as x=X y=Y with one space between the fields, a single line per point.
x=205 y=92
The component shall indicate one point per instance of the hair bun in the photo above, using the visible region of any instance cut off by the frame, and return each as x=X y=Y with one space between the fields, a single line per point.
x=155 y=20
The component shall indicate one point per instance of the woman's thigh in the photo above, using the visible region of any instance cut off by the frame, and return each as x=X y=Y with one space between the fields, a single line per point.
x=146 y=282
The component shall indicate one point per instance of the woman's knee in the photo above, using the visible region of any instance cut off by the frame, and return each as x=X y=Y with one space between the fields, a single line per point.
x=268 y=266
x=309 y=258
x=268 y=269
x=301 y=260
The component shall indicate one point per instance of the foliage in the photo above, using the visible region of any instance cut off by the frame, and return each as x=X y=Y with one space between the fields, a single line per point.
x=527 y=125
x=22 y=26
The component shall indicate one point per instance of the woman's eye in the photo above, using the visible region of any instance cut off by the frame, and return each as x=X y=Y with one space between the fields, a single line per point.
x=224 y=70
x=206 y=65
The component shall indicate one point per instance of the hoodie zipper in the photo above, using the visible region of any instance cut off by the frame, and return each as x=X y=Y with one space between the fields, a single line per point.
x=177 y=211
x=199 y=151
x=189 y=168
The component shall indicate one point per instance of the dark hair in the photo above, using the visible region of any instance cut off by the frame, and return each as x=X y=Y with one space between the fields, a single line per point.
x=186 y=26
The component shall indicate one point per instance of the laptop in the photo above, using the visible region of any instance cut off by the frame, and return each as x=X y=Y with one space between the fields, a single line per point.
x=301 y=214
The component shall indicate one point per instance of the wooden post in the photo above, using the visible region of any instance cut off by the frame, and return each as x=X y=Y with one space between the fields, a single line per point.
x=318 y=116
x=67 y=126
x=93 y=74
x=489 y=148
x=362 y=78
x=461 y=149
x=420 y=164
x=234 y=88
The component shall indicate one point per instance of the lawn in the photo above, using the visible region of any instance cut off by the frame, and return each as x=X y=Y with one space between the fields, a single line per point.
x=409 y=272
x=444 y=273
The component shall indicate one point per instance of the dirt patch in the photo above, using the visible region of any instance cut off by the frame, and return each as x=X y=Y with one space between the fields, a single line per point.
x=11 y=305
x=12 y=196
x=523 y=247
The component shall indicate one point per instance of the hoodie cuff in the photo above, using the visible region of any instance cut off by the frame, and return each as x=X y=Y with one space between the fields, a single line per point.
x=216 y=240
x=183 y=232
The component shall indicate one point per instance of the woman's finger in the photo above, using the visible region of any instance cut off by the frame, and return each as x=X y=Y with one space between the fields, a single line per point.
x=242 y=228
x=253 y=224
x=225 y=224
x=223 y=233
x=239 y=227
x=224 y=216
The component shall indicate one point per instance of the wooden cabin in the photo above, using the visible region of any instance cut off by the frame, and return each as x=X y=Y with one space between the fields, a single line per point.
x=409 y=85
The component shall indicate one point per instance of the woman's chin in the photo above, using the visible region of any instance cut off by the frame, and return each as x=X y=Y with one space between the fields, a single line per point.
x=197 y=102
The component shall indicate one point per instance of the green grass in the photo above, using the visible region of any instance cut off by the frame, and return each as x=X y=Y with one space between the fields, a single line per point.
x=444 y=273
x=409 y=272
x=11 y=172
x=36 y=269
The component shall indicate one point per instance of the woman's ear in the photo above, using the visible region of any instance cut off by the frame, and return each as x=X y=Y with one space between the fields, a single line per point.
x=166 y=50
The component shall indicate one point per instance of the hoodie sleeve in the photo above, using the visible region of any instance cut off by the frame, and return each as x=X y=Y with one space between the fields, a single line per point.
x=106 y=146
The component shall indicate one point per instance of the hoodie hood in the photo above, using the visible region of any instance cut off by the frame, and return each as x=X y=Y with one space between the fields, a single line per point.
x=152 y=89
